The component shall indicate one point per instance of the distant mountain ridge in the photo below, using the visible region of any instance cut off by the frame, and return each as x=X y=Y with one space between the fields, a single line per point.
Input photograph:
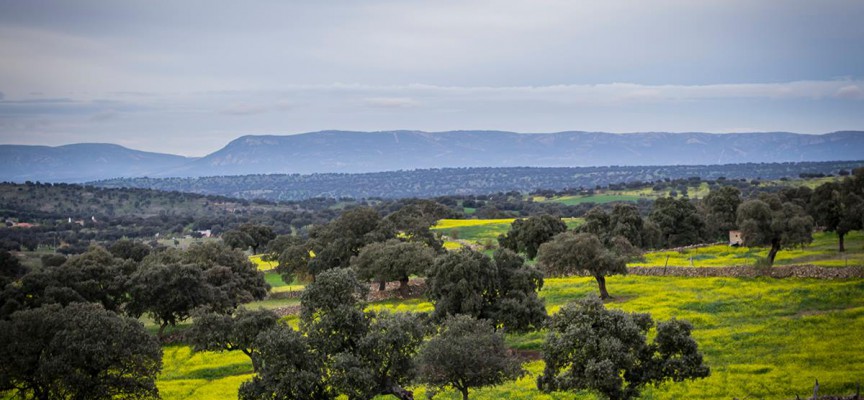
x=81 y=162
x=357 y=152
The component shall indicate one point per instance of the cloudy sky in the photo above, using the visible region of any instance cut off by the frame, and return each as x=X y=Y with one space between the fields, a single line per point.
x=186 y=77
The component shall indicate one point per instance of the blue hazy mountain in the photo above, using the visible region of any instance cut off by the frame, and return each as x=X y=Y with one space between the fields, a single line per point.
x=352 y=152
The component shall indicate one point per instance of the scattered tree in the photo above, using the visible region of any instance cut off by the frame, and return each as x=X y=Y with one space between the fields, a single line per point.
x=129 y=250
x=526 y=235
x=569 y=254
x=383 y=362
x=237 y=239
x=259 y=235
x=168 y=293
x=721 y=206
x=678 y=220
x=502 y=290
x=838 y=209
x=589 y=347
x=289 y=368
x=11 y=268
x=393 y=260
x=331 y=311
x=81 y=351
x=219 y=332
x=770 y=222
x=625 y=221
x=467 y=354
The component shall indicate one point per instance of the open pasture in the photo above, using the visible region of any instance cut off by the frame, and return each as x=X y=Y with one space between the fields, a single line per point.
x=762 y=338
x=480 y=230
x=602 y=198
x=822 y=251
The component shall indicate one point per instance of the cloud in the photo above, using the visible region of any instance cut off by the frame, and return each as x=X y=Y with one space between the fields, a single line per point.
x=104 y=116
x=390 y=102
x=2 y=96
x=853 y=92
x=244 y=109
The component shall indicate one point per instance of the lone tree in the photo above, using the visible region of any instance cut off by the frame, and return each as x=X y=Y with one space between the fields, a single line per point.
x=770 y=222
x=81 y=351
x=393 y=260
x=502 y=289
x=467 y=354
x=838 y=209
x=526 y=235
x=720 y=206
x=569 y=254
x=218 y=332
x=589 y=347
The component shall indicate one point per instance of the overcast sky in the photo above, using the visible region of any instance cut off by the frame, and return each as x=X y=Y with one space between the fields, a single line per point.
x=186 y=77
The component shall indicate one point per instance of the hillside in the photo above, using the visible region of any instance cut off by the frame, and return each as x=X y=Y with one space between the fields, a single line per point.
x=352 y=152
x=461 y=181
x=362 y=152
x=80 y=162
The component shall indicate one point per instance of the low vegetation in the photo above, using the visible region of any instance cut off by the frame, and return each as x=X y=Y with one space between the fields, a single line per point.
x=476 y=321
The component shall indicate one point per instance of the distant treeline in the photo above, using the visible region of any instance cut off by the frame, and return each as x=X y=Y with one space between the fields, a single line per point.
x=428 y=183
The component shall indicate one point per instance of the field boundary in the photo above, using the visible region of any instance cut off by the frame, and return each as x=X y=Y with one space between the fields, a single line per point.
x=784 y=271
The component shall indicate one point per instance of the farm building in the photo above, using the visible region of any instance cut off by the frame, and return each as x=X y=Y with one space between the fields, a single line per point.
x=735 y=238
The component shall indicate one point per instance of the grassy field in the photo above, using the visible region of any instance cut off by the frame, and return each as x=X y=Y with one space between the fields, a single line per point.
x=693 y=191
x=597 y=198
x=823 y=252
x=481 y=230
x=763 y=338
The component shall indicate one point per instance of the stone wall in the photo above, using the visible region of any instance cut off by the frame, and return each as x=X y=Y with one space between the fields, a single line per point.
x=786 y=271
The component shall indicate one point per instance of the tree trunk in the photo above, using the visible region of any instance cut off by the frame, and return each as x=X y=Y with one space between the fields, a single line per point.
x=161 y=330
x=601 y=282
x=382 y=285
x=255 y=366
x=842 y=247
x=464 y=393
x=775 y=247
x=399 y=392
x=403 y=287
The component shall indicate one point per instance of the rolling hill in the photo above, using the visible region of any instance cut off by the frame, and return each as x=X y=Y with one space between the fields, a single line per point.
x=359 y=152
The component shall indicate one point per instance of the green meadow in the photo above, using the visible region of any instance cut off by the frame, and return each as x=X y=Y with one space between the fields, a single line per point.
x=762 y=337
x=697 y=191
x=596 y=198
x=822 y=251
x=481 y=230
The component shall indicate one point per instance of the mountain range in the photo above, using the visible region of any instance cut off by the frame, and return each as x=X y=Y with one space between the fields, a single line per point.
x=355 y=152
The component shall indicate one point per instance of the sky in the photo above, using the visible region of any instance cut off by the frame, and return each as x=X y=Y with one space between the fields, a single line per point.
x=187 y=77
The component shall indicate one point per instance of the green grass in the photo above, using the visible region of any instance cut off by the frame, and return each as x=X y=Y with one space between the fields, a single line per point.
x=263 y=265
x=482 y=230
x=596 y=199
x=203 y=375
x=762 y=338
x=822 y=251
